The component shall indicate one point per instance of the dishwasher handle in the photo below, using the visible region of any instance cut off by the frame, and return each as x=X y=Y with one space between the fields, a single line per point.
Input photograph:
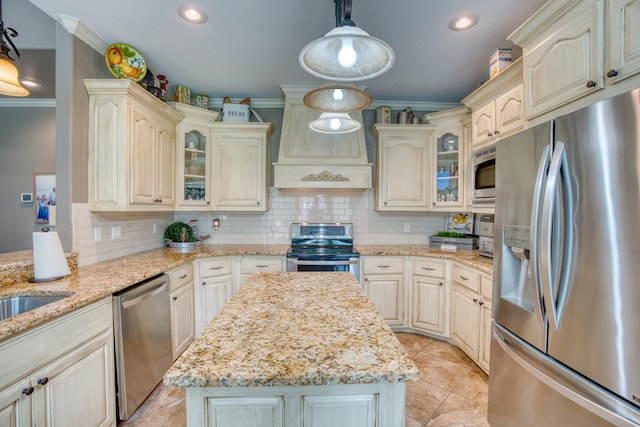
x=126 y=303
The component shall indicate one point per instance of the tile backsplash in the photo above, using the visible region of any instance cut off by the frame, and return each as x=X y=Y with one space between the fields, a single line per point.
x=271 y=227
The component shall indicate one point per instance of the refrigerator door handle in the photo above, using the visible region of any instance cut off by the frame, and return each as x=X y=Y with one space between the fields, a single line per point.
x=556 y=276
x=534 y=230
x=572 y=393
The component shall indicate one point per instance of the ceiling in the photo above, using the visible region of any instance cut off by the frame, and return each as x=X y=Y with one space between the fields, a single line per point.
x=248 y=48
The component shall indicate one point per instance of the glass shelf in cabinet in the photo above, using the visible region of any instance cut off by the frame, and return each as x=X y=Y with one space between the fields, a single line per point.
x=194 y=150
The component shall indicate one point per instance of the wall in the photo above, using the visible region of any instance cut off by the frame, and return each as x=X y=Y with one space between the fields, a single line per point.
x=28 y=146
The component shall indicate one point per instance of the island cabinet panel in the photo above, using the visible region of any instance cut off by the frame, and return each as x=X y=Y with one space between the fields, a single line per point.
x=340 y=411
x=246 y=411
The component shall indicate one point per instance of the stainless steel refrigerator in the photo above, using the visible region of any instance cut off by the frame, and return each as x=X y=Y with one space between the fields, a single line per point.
x=565 y=347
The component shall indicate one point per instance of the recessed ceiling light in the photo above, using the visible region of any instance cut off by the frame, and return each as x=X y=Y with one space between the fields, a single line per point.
x=30 y=83
x=193 y=15
x=462 y=23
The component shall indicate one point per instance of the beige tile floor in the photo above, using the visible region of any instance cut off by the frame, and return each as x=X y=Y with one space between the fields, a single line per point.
x=452 y=391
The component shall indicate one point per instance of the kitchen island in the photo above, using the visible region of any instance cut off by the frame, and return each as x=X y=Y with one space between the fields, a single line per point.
x=295 y=349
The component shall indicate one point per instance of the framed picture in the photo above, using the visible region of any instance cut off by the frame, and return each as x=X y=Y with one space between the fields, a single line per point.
x=44 y=185
x=460 y=222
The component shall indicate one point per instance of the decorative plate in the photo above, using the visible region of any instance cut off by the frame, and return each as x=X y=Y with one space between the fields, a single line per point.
x=125 y=62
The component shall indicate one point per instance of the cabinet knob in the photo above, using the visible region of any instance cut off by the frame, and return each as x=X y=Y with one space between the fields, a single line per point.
x=475 y=300
x=489 y=134
x=495 y=132
x=481 y=303
x=208 y=202
x=175 y=298
x=591 y=84
x=385 y=203
x=158 y=200
x=612 y=73
x=258 y=203
x=27 y=391
x=43 y=380
x=440 y=284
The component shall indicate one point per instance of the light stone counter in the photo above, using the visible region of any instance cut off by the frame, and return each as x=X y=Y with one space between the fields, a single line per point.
x=290 y=347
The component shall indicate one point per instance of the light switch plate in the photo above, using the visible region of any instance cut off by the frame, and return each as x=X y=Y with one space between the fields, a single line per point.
x=116 y=232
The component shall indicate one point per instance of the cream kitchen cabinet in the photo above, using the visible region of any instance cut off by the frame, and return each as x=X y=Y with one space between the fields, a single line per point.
x=623 y=58
x=430 y=296
x=44 y=372
x=240 y=165
x=250 y=264
x=182 y=308
x=403 y=167
x=193 y=154
x=132 y=148
x=214 y=287
x=471 y=313
x=383 y=279
x=448 y=154
x=498 y=108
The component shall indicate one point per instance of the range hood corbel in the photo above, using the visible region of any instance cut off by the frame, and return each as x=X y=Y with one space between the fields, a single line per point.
x=308 y=159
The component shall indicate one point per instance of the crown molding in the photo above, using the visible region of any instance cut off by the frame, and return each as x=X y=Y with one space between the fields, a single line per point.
x=81 y=31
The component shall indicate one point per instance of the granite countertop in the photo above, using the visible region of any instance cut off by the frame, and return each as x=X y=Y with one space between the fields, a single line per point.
x=294 y=329
x=90 y=283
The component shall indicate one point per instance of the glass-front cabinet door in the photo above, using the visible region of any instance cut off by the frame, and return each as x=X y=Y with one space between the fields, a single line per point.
x=193 y=187
x=448 y=191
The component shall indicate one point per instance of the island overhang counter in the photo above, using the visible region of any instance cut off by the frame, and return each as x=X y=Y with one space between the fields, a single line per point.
x=295 y=349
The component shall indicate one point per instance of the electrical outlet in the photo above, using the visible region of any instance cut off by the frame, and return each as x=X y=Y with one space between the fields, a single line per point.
x=97 y=234
x=155 y=228
x=116 y=232
x=407 y=227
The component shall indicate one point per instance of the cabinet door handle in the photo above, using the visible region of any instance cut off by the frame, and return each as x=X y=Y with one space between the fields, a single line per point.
x=183 y=276
x=591 y=84
x=489 y=134
x=612 y=73
x=43 y=380
x=208 y=202
x=258 y=203
x=27 y=391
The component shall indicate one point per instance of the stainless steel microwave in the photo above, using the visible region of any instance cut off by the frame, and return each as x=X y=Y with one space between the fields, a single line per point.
x=484 y=176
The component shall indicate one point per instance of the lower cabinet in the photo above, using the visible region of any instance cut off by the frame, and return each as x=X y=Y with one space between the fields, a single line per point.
x=44 y=372
x=182 y=308
x=383 y=279
x=430 y=296
x=213 y=289
x=471 y=313
x=250 y=264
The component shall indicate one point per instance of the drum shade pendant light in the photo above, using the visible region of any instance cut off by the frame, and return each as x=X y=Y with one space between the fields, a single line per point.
x=9 y=84
x=334 y=123
x=346 y=53
x=337 y=97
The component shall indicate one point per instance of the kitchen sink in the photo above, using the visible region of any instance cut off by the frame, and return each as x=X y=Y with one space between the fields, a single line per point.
x=12 y=306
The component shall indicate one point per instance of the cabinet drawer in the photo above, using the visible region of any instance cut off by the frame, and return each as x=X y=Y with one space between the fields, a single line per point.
x=429 y=268
x=181 y=276
x=382 y=265
x=214 y=267
x=466 y=277
x=250 y=265
x=486 y=287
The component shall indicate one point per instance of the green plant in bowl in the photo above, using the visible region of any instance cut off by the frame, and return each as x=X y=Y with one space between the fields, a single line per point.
x=174 y=232
x=451 y=234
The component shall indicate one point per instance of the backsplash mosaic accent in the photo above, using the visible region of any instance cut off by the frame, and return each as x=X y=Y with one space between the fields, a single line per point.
x=272 y=227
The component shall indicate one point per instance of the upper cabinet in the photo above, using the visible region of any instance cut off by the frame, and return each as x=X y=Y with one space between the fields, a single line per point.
x=573 y=49
x=240 y=165
x=132 y=148
x=448 y=154
x=194 y=157
x=497 y=106
x=403 y=167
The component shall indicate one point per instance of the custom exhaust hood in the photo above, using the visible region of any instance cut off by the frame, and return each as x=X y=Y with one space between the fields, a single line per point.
x=308 y=159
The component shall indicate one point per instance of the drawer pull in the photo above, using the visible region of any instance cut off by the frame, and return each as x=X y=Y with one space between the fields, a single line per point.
x=384 y=266
x=27 y=391
x=428 y=268
x=261 y=266
x=183 y=276
x=216 y=268
x=43 y=381
x=464 y=278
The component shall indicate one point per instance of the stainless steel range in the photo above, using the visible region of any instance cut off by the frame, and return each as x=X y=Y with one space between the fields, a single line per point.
x=323 y=247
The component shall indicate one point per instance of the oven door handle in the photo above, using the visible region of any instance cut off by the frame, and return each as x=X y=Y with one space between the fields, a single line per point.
x=298 y=262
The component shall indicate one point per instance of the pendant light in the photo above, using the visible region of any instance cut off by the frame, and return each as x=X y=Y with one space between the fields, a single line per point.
x=347 y=53
x=337 y=97
x=334 y=123
x=9 y=84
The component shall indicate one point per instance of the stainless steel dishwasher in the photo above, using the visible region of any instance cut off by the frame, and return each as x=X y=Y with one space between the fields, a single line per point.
x=142 y=330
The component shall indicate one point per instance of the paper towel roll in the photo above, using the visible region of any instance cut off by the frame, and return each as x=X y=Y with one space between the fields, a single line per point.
x=49 y=261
